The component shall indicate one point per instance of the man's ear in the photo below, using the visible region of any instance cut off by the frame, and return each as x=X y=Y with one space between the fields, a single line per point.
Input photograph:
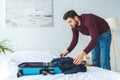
x=76 y=18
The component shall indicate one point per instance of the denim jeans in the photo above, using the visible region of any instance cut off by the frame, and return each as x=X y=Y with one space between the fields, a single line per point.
x=101 y=52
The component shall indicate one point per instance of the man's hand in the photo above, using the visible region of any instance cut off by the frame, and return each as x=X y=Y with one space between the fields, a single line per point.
x=64 y=53
x=79 y=58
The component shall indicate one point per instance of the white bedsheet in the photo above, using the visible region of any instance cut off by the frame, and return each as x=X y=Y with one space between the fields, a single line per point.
x=9 y=71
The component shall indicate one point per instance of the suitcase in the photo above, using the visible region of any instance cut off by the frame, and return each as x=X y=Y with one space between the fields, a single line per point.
x=36 y=68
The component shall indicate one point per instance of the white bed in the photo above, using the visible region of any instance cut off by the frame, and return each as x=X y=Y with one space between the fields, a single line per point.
x=8 y=71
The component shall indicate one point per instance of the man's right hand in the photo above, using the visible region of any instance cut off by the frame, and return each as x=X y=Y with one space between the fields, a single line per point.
x=63 y=54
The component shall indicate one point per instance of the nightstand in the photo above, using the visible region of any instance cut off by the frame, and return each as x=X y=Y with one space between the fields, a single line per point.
x=89 y=64
x=87 y=61
x=86 y=64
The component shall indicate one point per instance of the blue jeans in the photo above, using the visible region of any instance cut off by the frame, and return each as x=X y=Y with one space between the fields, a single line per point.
x=101 y=52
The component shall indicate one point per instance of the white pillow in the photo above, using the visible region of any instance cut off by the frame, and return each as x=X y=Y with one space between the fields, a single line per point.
x=32 y=56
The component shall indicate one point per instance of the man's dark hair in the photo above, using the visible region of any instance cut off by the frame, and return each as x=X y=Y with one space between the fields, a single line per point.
x=70 y=14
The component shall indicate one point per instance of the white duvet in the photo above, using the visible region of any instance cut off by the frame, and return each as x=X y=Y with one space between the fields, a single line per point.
x=8 y=71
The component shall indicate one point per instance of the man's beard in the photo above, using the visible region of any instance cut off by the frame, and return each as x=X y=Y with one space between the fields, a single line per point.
x=76 y=24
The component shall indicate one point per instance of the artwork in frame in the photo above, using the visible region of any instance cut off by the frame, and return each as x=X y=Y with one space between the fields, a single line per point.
x=29 y=13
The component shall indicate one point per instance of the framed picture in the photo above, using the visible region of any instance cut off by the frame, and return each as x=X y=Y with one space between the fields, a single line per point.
x=29 y=13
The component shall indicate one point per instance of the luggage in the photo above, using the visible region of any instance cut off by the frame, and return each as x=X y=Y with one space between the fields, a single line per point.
x=56 y=66
x=36 y=68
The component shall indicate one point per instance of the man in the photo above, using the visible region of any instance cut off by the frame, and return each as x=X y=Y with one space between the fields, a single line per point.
x=99 y=31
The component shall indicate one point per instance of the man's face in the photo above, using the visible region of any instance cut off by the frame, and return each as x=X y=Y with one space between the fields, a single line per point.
x=72 y=22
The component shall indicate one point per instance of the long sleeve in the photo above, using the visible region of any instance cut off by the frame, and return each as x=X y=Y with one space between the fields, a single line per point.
x=74 y=40
x=93 y=31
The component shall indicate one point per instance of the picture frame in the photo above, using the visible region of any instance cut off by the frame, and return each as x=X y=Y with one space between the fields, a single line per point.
x=29 y=13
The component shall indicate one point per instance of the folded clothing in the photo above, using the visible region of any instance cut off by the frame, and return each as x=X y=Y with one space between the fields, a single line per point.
x=67 y=67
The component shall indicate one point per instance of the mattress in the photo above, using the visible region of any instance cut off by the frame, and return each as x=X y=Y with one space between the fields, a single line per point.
x=9 y=70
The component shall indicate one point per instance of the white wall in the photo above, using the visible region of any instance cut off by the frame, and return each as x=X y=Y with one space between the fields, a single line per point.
x=58 y=37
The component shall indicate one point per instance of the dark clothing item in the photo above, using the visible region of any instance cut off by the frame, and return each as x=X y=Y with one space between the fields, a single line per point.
x=67 y=67
x=91 y=25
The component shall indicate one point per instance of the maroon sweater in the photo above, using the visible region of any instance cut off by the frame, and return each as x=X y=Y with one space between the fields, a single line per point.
x=91 y=25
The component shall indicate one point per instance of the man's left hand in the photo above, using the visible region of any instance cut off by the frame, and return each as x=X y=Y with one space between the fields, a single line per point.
x=79 y=58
